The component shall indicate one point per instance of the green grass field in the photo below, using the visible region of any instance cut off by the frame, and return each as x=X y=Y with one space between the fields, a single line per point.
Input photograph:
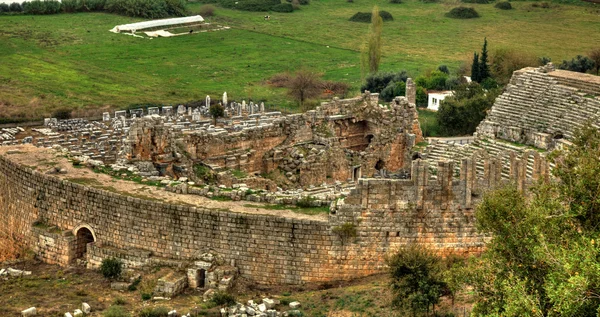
x=71 y=60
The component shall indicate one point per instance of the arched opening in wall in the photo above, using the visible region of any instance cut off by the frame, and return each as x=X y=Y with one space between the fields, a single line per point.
x=84 y=236
x=201 y=277
x=380 y=165
x=557 y=135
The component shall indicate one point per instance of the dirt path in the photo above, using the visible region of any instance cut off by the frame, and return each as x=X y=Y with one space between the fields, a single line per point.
x=44 y=160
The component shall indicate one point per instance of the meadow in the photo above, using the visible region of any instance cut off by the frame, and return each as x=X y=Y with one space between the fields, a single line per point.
x=72 y=61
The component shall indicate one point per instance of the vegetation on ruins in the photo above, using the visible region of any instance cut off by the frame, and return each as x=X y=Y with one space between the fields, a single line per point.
x=304 y=85
x=116 y=311
x=159 y=311
x=461 y=113
x=371 y=50
x=221 y=298
x=580 y=63
x=111 y=268
x=542 y=259
x=216 y=111
x=417 y=280
x=345 y=231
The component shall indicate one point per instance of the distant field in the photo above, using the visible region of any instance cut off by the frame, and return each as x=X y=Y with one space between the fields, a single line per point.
x=71 y=60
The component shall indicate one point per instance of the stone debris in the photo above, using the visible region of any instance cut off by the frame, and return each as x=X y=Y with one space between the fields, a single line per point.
x=85 y=307
x=294 y=305
x=14 y=272
x=259 y=310
x=77 y=313
x=31 y=311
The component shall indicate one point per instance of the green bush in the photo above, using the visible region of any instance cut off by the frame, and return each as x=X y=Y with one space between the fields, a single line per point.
x=150 y=9
x=146 y=296
x=366 y=16
x=283 y=7
x=111 y=268
x=4 y=8
x=306 y=202
x=462 y=13
x=221 y=298
x=503 y=5
x=250 y=5
x=16 y=7
x=392 y=90
x=155 y=312
x=41 y=7
x=116 y=311
x=70 y=6
x=477 y=1
x=304 y=2
x=207 y=10
x=395 y=1
x=61 y=114
x=377 y=82
x=430 y=1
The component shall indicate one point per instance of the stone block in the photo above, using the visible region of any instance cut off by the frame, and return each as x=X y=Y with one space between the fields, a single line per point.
x=294 y=305
x=85 y=307
x=31 y=311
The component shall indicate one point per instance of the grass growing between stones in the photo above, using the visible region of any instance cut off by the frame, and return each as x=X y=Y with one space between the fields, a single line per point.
x=72 y=61
x=302 y=210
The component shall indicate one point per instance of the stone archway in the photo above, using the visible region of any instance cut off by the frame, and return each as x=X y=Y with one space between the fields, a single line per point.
x=84 y=234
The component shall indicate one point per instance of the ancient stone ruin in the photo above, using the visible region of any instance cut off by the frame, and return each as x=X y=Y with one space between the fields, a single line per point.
x=385 y=189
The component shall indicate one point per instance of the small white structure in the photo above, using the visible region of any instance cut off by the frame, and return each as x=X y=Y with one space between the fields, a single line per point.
x=133 y=27
x=435 y=97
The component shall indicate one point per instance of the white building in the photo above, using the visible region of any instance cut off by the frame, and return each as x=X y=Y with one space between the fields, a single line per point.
x=435 y=97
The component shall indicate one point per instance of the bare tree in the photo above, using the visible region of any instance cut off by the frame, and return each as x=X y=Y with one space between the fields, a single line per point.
x=304 y=85
x=595 y=56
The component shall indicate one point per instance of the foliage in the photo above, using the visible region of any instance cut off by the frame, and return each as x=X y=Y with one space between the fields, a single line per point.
x=392 y=90
x=396 y=1
x=417 y=281
x=444 y=69
x=371 y=50
x=283 y=7
x=337 y=88
x=505 y=61
x=542 y=259
x=434 y=80
x=594 y=55
x=345 y=231
x=460 y=114
x=221 y=298
x=41 y=7
x=151 y=9
x=477 y=1
x=62 y=114
x=16 y=7
x=204 y=172
x=250 y=5
x=116 y=311
x=503 y=5
x=111 y=268
x=475 y=68
x=160 y=311
x=421 y=97
x=303 y=85
x=216 y=111
x=462 y=13
x=306 y=202
x=377 y=82
x=146 y=296
x=4 y=8
x=207 y=10
x=484 y=67
x=580 y=64
x=367 y=17
x=429 y=123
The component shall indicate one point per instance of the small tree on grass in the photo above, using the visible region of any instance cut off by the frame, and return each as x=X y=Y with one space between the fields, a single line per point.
x=475 y=68
x=216 y=111
x=371 y=55
x=484 y=68
x=417 y=280
x=304 y=85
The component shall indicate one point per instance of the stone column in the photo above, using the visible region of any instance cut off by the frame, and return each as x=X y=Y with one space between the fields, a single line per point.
x=411 y=91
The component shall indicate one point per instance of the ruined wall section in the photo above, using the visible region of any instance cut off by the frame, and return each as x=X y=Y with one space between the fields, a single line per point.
x=436 y=211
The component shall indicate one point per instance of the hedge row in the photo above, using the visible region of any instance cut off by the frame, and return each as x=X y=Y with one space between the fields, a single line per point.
x=136 y=8
x=366 y=16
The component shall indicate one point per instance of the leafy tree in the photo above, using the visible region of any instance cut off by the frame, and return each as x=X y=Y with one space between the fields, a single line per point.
x=542 y=259
x=484 y=68
x=578 y=64
x=594 y=55
x=111 y=268
x=461 y=113
x=216 y=111
x=304 y=85
x=506 y=61
x=371 y=55
x=475 y=68
x=377 y=82
x=417 y=281
x=444 y=69
x=392 y=90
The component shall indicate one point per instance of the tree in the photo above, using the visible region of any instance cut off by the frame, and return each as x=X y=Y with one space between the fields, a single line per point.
x=542 y=259
x=461 y=113
x=371 y=55
x=304 y=85
x=484 y=68
x=578 y=64
x=594 y=55
x=216 y=111
x=417 y=282
x=475 y=68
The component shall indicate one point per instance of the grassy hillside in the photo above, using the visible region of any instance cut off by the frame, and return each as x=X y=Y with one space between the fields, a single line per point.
x=71 y=60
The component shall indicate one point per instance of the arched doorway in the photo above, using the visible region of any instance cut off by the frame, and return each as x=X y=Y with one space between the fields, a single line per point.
x=84 y=236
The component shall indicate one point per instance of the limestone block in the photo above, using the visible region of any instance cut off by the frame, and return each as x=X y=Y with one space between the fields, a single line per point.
x=77 y=313
x=294 y=305
x=262 y=308
x=268 y=302
x=31 y=311
x=86 y=308
x=67 y=314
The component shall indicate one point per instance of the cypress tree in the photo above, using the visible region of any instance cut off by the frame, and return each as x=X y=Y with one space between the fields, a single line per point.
x=475 y=68
x=484 y=68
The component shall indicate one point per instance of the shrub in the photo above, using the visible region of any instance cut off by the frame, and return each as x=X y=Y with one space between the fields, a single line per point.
x=15 y=7
x=477 y=1
x=306 y=202
x=4 y=8
x=146 y=8
x=543 y=5
x=392 y=90
x=283 y=7
x=396 y=1
x=579 y=64
x=430 y=1
x=71 y=6
x=62 y=114
x=116 y=311
x=250 y=5
x=366 y=16
x=303 y=2
x=154 y=312
x=221 y=298
x=462 y=13
x=207 y=10
x=111 y=268
x=345 y=231
x=336 y=88
x=376 y=82
x=41 y=7
x=503 y=5
x=146 y=296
